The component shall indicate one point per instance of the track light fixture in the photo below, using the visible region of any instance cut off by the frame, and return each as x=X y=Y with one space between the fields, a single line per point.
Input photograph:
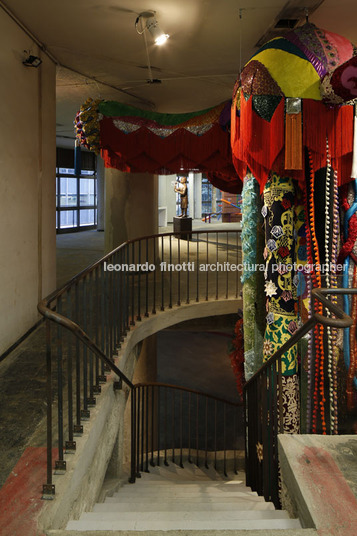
x=149 y=22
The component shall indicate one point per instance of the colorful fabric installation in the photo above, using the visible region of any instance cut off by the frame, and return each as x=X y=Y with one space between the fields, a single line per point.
x=135 y=141
x=237 y=355
x=280 y=279
x=263 y=132
x=252 y=278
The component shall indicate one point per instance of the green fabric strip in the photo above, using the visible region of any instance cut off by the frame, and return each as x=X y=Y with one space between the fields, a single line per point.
x=117 y=109
x=282 y=44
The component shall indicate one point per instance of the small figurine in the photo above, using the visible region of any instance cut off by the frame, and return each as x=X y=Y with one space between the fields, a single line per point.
x=181 y=188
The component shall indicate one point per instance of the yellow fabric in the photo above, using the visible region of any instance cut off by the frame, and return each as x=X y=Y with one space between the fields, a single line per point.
x=295 y=76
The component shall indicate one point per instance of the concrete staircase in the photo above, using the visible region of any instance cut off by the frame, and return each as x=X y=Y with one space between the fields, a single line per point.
x=190 y=499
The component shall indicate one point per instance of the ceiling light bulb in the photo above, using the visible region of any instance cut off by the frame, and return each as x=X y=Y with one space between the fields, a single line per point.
x=159 y=36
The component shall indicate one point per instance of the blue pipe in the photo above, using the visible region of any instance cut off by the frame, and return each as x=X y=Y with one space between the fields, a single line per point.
x=346 y=299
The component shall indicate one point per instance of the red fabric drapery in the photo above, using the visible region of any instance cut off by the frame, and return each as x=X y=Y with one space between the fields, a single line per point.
x=181 y=151
x=258 y=144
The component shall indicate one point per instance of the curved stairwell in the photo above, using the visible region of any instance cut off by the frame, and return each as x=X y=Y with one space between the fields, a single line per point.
x=183 y=499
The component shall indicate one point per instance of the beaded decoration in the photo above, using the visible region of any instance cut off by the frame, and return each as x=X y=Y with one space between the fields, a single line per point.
x=319 y=401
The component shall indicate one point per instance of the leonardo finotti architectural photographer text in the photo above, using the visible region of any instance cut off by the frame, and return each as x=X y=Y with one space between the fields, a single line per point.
x=222 y=267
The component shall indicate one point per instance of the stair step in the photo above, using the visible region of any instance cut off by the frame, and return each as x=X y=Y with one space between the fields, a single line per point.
x=162 y=487
x=194 y=515
x=102 y=522
x=249 y=499
x=193 y=532
x=112 y=505
x=183 y=492
x=175 y=471
x=181 y=483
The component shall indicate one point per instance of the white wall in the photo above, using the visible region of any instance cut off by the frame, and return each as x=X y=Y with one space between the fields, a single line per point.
x=27 y=183
x=167 y=196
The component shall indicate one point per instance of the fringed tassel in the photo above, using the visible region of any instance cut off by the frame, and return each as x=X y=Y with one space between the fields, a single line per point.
x=353 y=348
x=354 y=160
x=334 y=331
x=293 y=134
x=318 y=331
x=328 y=241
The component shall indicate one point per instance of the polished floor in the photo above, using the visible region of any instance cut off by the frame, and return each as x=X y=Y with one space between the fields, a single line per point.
x=194 y=354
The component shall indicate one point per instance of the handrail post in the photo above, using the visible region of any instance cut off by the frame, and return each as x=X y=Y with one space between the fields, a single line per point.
x=133 y=435
x=49 y=488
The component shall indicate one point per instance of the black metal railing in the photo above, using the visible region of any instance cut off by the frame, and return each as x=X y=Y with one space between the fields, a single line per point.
x=263 y=408
x=89 y=317
x=172 y=423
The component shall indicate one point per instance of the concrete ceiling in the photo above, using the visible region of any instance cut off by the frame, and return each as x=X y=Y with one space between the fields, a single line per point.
x=209 y=42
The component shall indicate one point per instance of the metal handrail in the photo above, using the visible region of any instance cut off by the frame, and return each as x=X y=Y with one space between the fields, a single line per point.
x=120 y=299
x=188 y=390
x=261 y=384
x=166 y=419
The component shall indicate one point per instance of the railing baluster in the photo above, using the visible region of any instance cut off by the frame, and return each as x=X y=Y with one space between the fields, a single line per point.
x=48 y=488
x=138 y=422
x=198 y=269
x=133 y=435
x=147 y=428
x=162 y=275
x=147 y=280
x=166 y=427
x=189 y=428
x=206 y=266
x=197 y=430
x=227 y=271
x=181 y=430
x=152 y=425
x=237 y=262
x=179 y=271
x=217 y=266
x=139 y=283
x=235 y=437
x=60 y=387
x=173 y=426
x=96 y=320
x=127 y=289
x=215 y=434
x=224 y=441
x=158 y=424
x=206 y=434
x=119 y=277
x=69 y=370
x=188 y=271
x=170 y=274
x=85 y=350
x=91 y=364
x=142 y=426
x=78 y=427
x=154 y=285
x=132 y=287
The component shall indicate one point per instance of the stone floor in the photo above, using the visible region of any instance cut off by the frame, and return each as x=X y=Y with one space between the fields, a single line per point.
x=22 y=372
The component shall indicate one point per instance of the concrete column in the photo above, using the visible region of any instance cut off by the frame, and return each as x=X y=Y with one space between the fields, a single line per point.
x=100 y=194
x=167 y=196
x=197 y=196
x=131 y=206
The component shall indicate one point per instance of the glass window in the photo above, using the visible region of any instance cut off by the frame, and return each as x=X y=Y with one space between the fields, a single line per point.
x=68 y=218
x=75 y=192
x=206 y=196
x=87 y=217
x=87 y=192
x=68 y=192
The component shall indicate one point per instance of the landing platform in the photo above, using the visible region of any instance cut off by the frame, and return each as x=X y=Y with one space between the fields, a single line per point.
x=321 y=475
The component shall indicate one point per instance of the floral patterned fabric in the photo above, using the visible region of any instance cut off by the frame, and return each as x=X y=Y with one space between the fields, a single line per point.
x=281 y=281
